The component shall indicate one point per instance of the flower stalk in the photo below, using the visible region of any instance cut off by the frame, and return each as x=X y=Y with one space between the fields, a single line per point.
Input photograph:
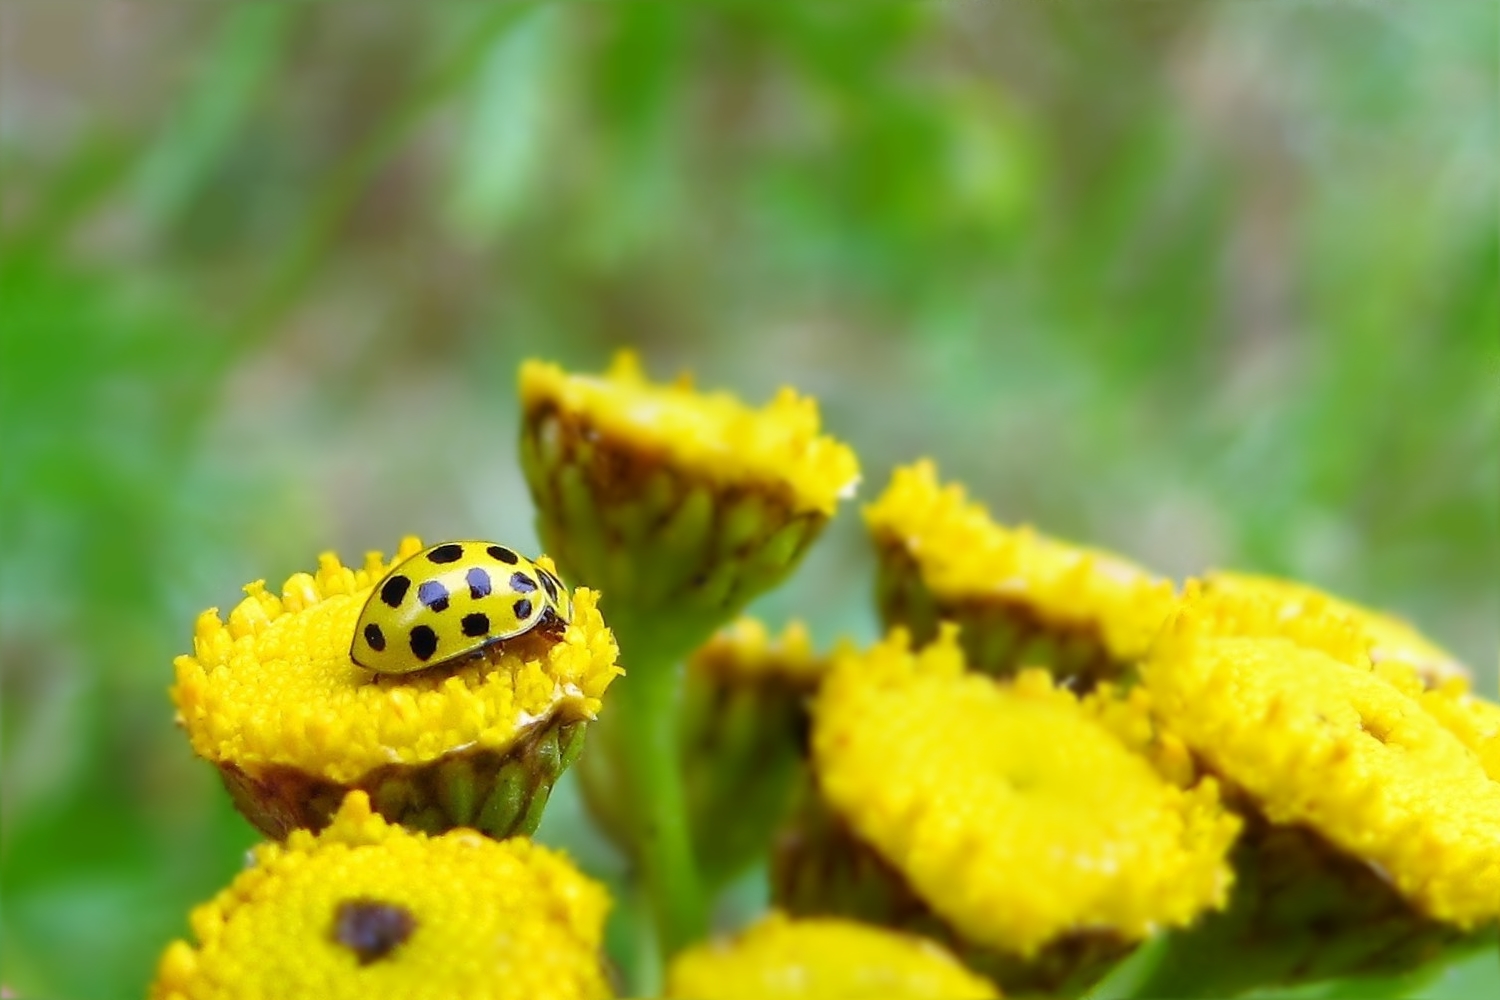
x=646 y=721
x=681 y=506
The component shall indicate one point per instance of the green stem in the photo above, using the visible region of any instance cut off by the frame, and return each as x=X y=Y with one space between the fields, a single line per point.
x=645 y=709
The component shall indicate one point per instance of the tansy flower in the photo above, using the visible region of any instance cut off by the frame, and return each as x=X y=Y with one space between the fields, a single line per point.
x=1369 y=640
x=747 y=654
x=1390 y=639
x=366 y=910
x=1126 y=712
x=1260 y=608
x=783 y=959
x=681 y=505
x=1373 y=838
x=1317 y=742
x=1474 y=720
x=1021 y=598
x=1003 y=819
x=272 y=698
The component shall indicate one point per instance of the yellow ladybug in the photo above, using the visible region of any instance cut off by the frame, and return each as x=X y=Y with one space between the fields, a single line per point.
x=450 y=601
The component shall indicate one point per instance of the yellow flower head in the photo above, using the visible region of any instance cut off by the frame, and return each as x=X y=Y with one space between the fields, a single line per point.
x=782 y=959
x=715 y=435
x=1241 y=607
x=368 y=910
x=746 y=653
x=1281 y=707
x=1237 y=613
x=272 y=690
x=1019 y=595
x=1009 y=809
x=681 y=505
x=1126 y=712
x=1389 y=639
x=1475 y=721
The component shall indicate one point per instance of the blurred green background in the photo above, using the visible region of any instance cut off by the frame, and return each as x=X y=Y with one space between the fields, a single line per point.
x=1209 y=284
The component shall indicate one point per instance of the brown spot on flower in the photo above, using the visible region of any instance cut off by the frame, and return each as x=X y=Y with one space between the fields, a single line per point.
x=372 y=929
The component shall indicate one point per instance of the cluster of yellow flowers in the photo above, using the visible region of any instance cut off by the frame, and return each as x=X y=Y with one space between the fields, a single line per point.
x=1049 y=758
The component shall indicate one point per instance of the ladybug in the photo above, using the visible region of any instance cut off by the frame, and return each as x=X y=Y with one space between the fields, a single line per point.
x=451 y=601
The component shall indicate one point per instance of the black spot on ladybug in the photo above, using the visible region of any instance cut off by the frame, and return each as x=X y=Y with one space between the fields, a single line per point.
x=522 y=609
x=433 y=595
x=503 y=554
x=521 y=583
x=375 y=637
x=451 y=552
x=549 y=584
x=476 y=624
x=423 y=642
x=371 y=929
x=479 y=583
x=393 y=591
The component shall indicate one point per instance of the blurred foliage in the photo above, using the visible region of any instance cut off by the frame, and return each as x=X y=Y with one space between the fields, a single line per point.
x=1211 y=284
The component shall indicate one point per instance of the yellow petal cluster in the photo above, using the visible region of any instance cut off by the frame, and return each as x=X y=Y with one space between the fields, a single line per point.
x=1389 y=639
x=713 y=433
x=817 y=959
x=274 y=684
x=1127 y=713
x=1231 y=606
x=1475 y=721
x=1009 y=809
x=484 y=920
x=963 y=555
x=1338 y=748
x=1223 y=613
x=745 y=651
